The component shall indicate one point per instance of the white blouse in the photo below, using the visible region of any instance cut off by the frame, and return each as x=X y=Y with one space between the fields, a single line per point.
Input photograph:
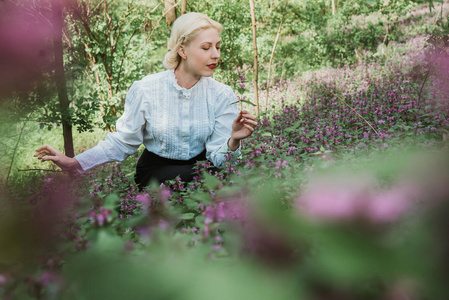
x=171 y=121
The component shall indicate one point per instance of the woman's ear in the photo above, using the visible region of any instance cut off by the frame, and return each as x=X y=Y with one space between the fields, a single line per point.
x=182 y=52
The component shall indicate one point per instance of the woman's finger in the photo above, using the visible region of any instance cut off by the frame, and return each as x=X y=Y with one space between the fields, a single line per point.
x=41 y=153
x=248 y=115
x=249 y=127
x=52 y=158
x=238 y=118
x=48 y=149
x=43 y=148
x=251 y=122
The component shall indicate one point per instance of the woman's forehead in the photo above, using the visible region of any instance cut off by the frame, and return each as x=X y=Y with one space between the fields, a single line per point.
x=209 y=35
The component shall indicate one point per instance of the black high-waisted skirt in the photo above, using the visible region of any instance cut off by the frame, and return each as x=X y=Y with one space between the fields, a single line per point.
x=153 y=167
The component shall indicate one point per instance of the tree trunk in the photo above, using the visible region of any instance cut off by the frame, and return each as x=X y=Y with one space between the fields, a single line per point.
x=184 y=7
x=170 y=11
x=256 y=74
x=56 y=6
x=333 y=7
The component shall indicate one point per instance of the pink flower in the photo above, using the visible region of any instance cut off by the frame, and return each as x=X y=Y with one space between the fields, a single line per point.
x=48 y=180
x=281 y=164
x=165 y=194
x=101 y=218
x=48 y=278
x=354 y=198
x=3 y=280
x=25 y=46
x=209 y=212
x=206 y=232
x=335 y=199
x=388 y=206
x=144 y=199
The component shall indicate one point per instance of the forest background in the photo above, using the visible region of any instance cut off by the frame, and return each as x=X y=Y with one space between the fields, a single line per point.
x=109 y=45
x=335 y=83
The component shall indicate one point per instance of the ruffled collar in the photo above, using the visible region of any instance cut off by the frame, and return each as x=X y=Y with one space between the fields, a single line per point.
x=186 y=92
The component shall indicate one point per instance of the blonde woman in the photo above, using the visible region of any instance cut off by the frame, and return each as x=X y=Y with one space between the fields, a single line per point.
x=181 y=115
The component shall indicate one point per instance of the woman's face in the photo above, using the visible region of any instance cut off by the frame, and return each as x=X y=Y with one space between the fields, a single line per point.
x=202 y=54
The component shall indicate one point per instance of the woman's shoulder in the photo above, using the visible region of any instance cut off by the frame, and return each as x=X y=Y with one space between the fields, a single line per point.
x=218 y=87
x=153 y=79
x=145 y=88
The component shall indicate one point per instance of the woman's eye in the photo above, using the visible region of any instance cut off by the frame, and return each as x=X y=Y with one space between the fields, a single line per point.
x=205 y=48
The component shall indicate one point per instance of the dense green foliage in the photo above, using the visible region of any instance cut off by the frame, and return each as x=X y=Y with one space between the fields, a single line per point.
x=110 y=46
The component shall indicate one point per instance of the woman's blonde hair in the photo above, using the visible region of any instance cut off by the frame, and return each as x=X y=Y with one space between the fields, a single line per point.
x=185 y=29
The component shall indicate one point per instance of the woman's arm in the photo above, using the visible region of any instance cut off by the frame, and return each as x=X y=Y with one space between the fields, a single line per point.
x=230 y=127
x=242 y=127
x=117 y=145
x=66 y=163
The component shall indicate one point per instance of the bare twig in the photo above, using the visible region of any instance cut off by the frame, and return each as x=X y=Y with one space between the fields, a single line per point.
x=46 y=170
x=272 y=56
x=422 y=85
x=15 y=150
x=123 y=59
x=386 y=34
x=160 y=19
x=154 y=9
x=256 y=67
x=440 y=15
x=366 y=121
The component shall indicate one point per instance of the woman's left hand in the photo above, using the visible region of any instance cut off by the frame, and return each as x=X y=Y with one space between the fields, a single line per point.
x=242 y=127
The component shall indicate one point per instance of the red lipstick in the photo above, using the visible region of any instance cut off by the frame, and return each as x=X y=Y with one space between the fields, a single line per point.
x=212 y=66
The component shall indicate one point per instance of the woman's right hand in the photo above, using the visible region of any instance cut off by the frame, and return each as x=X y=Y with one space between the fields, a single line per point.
x=66 y=163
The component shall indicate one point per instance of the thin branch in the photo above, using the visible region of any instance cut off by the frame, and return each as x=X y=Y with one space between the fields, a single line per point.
x=369 y=124
x=123 y=58
x=85 y=25
x=422 y=86
x=46 y=170
x=15 y=150
x=154 y=9
x=160 y=19
x=272 y=56
x=117 y=29
x=98 y=6
x=256 y=67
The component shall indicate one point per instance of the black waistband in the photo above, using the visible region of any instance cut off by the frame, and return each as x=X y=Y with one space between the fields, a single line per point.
x=150 y=159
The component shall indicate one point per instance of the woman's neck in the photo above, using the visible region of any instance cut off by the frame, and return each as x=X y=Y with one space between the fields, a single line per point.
x=185 y=79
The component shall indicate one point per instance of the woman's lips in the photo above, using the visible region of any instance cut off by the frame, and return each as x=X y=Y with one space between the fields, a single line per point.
x=212 y=66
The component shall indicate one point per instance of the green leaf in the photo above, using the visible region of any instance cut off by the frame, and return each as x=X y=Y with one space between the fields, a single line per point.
x=187 y=216
x=244 y=101
x=111 y=201
x=210 y=181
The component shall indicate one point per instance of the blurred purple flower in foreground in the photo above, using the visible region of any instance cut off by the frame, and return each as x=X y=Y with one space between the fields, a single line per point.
x=25 y=48
x=101 y=218
x=350 y=198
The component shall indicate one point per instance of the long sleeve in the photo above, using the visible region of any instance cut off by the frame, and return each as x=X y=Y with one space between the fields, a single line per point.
x=225 y=113
x=127 y=138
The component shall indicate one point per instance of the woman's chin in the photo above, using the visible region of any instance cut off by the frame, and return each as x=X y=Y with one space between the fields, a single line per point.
x=208 y=73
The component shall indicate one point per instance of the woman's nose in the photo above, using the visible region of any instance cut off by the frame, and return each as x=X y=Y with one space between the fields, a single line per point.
x=215 y=53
